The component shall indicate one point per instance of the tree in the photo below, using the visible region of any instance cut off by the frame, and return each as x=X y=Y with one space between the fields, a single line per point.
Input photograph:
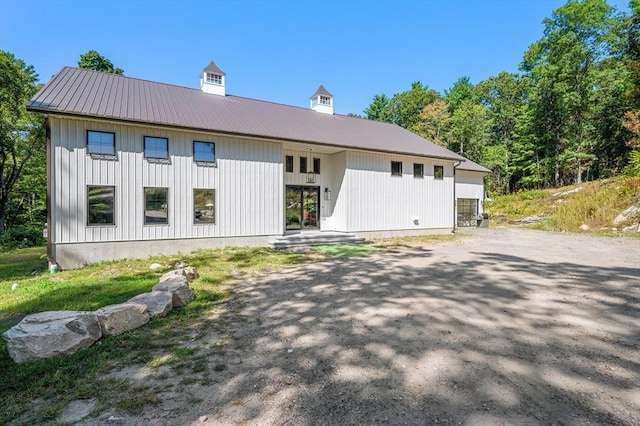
x=92 y=60
x=379 y=109
x=462 y=91
x=469 y=131
x=21 y=133
x=434 y=122
x=405 y=107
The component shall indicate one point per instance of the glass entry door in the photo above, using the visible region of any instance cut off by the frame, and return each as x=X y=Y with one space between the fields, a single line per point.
x=302 y=207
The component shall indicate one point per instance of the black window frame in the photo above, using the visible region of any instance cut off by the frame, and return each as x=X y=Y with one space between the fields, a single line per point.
x=113 y=206
x=438 y=172
x=197 y=160
x=418 y=170
x=89 y=151
x=144 y=138
x=316 y=166
x=144 y=194
x=195 y=209
x=303 y=165
x=288 y=161
x=397 y=172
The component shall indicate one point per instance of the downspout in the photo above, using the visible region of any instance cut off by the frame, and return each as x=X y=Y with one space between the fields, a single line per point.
x=51 y=256
x=453 y=231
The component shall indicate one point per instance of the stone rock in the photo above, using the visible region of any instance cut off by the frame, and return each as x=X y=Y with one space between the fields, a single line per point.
x=191 y=273
x=175 y=275
x=631 y=228
x=155 y=266
x=77 y=410
x=117 y=319
x=571 y=191
x=631 y=214
x=180 y=291
x=158 y=303
x=584 y=227
x=50 y=334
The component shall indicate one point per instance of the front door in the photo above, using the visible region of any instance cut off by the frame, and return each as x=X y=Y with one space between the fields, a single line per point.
x=302 y=207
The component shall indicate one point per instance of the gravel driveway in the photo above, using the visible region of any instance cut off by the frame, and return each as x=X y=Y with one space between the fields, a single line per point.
x=499 y=327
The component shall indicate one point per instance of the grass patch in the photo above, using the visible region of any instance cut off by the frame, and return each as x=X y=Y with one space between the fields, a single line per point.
x=38 y=392
x=595 y=204
x=346 y=249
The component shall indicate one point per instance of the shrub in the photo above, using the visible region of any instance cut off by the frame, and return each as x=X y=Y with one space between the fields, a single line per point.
x=22 y=237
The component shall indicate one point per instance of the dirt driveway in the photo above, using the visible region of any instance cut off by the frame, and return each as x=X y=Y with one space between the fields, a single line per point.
x=500 y=327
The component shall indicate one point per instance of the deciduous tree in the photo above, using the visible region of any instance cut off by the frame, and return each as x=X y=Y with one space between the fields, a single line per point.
x=92 y=60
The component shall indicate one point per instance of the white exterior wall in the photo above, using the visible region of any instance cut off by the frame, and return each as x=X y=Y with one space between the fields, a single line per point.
x=471 y=185
x=371 y=199
x=247 y=179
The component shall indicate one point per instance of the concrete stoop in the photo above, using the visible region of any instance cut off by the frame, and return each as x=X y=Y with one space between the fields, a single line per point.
x=313 y=238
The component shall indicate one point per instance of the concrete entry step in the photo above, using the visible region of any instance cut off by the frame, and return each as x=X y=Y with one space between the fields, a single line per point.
x=314 y=238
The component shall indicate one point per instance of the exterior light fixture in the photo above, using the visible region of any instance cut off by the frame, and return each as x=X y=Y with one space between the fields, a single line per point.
x=327 y=194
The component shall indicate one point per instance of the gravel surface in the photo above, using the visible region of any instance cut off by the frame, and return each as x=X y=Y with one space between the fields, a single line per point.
x=503 y=326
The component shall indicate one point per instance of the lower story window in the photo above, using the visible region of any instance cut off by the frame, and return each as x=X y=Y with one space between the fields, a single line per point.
x=101 y=203
x=204 y=206
x=156 y=209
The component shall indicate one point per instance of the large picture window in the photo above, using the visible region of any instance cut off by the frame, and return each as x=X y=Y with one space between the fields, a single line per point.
x=156 y=208
x=204 y=151
x=101 y=142
x=396 y=168
x=156 y=147
x=204 y=206
x=101 y=205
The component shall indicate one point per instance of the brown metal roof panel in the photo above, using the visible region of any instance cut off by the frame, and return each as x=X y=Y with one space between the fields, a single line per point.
x=473 y=167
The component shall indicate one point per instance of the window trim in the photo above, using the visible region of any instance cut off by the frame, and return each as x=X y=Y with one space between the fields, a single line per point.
x=144 y=209
x=113 y=214
x=401 y=167
x=286 y=163
x=324 y=100
x=214 y=206
x=112 y=154
x=435 y=175
x=144 y=147
x=421 y=174
x=200 y=160
x=305 y=168
x=213 y=78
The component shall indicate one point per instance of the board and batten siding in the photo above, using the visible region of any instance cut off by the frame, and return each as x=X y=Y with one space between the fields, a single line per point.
x=371 y=199
x=470 y=184
x=247 y=178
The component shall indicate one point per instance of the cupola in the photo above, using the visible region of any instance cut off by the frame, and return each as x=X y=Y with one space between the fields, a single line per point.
x=322 y=101
x=212 y=80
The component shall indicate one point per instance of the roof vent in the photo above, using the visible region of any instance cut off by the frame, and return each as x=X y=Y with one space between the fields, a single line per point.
x=322 y=101
x=212 y=80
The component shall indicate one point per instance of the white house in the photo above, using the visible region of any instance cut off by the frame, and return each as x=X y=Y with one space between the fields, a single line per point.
x=137 y=168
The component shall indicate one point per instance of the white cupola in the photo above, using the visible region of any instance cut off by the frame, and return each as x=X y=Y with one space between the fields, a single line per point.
x=322 y=101
x=212 y=80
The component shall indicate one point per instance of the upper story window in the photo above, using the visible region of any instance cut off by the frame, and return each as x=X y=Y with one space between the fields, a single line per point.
x=396 y=168
x=303 y=164
x=316 y=166
x=325 y=100
x=214 y=78
x=438 y=172
x=204 y=151
x=289 y=163
x=156 y=147
x=418 y=170
x=101 y=142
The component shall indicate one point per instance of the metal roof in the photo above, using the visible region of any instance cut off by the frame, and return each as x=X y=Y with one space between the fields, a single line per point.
x=472 y=167
x=213 y=68
x=87 y=93
x=321 y=91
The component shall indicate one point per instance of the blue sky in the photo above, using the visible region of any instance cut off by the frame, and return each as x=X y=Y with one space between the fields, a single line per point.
x=281 y=51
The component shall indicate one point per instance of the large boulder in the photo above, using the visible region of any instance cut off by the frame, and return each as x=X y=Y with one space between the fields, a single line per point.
x=180 y=291
x=630 y=215
x=158 y=303
x=174 y=276
x=189 y=273
x=117 y=319
x=50 y=334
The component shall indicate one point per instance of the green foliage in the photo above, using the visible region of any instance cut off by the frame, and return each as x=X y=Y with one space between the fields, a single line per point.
x=633 y=169
x=92 y=60
x=22 y=237
x=22 y=145
x=379 y=109
x=462 y=91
